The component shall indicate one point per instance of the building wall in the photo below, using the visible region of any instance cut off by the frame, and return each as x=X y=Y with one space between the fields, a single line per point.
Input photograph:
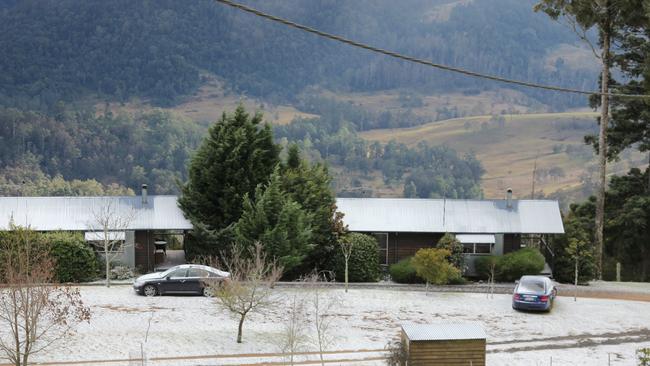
x=511 y=242
x=127 y=257
x=446 y=353
x=144 y=250
x=403 y=245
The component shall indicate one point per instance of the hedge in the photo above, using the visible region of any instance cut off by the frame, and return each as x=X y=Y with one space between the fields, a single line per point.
x=404 y=272
x=512 y=266
x=75 y=261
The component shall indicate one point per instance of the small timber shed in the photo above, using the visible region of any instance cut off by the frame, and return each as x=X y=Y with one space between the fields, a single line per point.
x=444 y=344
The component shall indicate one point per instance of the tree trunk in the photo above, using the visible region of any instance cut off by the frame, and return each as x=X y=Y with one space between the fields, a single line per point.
x=575 y=283
x=108 y=266
x=602 y=152
x=241 y=326
x=346 y=274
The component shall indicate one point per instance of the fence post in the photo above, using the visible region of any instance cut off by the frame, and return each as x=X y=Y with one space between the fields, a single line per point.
x=618 y=271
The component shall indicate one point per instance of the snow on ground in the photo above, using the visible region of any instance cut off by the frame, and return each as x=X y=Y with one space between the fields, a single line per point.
x=574 y=333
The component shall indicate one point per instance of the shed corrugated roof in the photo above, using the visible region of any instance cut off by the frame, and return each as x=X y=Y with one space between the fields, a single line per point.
x=76 y=213
x=443 y=332
x=448 y=215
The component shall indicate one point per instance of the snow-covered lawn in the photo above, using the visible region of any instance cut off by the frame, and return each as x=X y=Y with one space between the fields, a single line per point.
x=574 y=333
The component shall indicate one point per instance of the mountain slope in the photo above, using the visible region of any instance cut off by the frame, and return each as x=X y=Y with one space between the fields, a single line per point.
x=509 y=145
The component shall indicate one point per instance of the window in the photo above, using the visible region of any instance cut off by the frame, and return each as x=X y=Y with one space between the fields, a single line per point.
x=114 y=247
x=482 y=248
x=382 y=247
x=197 y=272
x=477 y=248
x=179 y=273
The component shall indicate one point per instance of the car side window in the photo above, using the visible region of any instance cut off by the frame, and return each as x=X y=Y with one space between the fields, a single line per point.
x=197 y=272
x=179 y=273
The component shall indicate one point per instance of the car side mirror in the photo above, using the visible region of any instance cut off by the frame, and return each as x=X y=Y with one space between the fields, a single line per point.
x=516 y=282
x=168 y=278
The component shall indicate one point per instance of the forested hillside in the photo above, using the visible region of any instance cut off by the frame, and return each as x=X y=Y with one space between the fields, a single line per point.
x=79 y=87
x=67 y=49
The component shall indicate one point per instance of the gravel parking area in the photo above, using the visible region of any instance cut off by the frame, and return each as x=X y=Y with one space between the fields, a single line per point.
x=585 y=332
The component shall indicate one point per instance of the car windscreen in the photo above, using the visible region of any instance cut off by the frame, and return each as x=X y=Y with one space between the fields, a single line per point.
x=532 y=287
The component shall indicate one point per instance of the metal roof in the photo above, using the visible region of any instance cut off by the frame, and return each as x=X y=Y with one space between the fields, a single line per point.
x=76 y=213
x=449 y=215
x=476 y=238
x=443 y=332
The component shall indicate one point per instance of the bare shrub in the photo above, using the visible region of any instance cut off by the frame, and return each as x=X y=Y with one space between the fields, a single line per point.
x=107 y=220
x=34 y=314
x=252 y=276
x=321 y=308
x=397 y=353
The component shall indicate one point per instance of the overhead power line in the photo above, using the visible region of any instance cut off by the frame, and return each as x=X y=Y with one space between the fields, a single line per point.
x=419 y=60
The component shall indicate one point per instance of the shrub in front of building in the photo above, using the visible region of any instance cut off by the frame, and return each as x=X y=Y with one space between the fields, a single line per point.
x=75 y=260
x=526 y=261
x=404 y=272
x=363 y=265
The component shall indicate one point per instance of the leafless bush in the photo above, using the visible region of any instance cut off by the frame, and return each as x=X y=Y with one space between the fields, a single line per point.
x=33 y=313
x=397 y=353
x=294 y=337
x=252 y=276
x=321 y=307
x=107 y=220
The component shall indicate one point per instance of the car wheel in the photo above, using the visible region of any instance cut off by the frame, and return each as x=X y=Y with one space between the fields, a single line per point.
x=150 y=290
x=208 y=291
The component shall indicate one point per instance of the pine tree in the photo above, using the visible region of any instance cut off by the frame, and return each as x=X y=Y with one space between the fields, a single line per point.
x=309 y=185
x=278 y=223
x=238 y=155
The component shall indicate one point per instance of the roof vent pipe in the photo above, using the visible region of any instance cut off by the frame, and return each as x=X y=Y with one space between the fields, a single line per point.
x=509 y=198
x=144 y=194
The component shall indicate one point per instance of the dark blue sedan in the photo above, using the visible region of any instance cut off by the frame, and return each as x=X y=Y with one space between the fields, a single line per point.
x=534 y=293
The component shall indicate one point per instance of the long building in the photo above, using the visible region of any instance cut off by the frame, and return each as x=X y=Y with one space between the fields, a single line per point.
x=400 y=225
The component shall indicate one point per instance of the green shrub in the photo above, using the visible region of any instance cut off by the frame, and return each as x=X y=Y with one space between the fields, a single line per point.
x=453 y=245
x=363 y=265
x=404 y=272
x=432 y=265
x=482 y=266
x=527 y=261
x=75 y=260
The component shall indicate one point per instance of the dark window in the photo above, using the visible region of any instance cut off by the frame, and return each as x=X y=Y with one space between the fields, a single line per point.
x=382 y=247
x=483 y=248
x=179 y=273
x=468 y=248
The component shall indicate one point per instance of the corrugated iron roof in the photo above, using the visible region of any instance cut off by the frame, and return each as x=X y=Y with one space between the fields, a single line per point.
x=443 y=332
x=361 y=214
x=76 y=213
x=448 y=215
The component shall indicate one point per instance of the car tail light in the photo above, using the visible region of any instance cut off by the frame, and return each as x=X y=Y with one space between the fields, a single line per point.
x=516 y=297
x=543 y=298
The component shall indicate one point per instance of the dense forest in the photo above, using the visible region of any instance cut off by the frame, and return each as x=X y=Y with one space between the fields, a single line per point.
x=67 y=49
x=86 y=153
x=110 y=149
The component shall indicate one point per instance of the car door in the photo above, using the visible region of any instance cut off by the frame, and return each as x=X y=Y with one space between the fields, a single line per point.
x=195 y=280
x=174 y=282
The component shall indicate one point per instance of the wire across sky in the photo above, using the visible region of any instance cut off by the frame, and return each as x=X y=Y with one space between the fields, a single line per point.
x=418 y=60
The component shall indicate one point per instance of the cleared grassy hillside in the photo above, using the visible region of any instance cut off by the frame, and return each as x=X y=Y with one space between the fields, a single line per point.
x=508 y=149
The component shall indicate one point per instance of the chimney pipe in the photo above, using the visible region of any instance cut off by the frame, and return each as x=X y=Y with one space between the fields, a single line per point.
x=144 y=194
x=509 y=198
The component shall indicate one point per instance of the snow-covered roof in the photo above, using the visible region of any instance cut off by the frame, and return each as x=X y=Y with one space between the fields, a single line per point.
x=443 y=332
x=450 y=215
x=76 y=213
